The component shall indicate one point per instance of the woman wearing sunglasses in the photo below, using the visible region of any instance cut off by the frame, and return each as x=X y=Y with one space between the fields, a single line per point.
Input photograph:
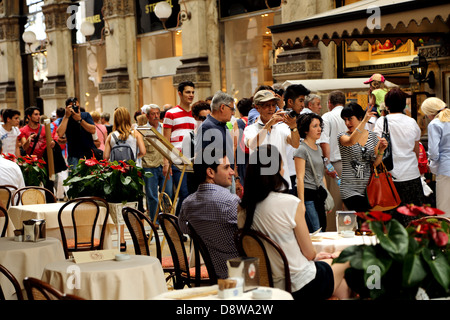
x=360 y=149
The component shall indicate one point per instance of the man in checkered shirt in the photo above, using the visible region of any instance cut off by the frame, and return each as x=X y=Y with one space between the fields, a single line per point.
x=212 y=210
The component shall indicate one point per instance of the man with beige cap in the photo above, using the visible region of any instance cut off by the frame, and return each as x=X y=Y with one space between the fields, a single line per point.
x=273 y=127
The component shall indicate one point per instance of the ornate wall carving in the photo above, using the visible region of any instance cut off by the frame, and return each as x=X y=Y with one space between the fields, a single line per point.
x=56 y=16
x=113 y=8
x=9 y=29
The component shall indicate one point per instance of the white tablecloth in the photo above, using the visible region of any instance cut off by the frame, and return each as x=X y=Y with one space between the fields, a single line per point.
x=27 y=259
x=332 y=242
x=277 y=294
x=49 y=212
x=139 y=278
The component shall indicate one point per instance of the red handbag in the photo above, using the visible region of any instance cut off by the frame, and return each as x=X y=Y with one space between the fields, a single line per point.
x=381 y=192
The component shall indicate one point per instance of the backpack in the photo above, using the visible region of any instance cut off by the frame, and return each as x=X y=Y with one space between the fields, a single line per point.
x=242 y=145
x=121 y=151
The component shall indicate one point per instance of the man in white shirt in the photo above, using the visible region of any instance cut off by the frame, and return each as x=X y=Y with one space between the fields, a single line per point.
x=10 y=173
x=333 y=124
x=9 y=132
x=275 y=128
x=312 y=104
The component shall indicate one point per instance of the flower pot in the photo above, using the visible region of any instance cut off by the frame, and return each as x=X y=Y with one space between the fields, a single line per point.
x=115 y=210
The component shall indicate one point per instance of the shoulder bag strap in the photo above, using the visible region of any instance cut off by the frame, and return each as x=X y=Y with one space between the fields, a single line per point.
x=37 y=139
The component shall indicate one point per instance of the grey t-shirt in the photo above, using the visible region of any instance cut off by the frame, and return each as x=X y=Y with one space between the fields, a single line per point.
x=316 y=158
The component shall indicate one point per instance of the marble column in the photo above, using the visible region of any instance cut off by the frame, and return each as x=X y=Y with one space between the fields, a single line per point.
x=200 y=61
x=60 y=84
x=119 y=85
x=303 y=60
x=11 y=81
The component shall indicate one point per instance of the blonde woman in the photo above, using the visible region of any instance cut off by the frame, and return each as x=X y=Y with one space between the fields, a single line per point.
x=123 y=131
x=101 y=130
x=438 y=149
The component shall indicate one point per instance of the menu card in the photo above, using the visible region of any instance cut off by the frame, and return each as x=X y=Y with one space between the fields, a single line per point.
x=94 y=256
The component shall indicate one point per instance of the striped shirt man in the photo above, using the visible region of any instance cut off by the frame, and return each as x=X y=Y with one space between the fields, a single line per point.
x=181 y=122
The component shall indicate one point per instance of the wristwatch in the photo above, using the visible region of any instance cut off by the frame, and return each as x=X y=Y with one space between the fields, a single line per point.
x=293 y=130
x=79 y=121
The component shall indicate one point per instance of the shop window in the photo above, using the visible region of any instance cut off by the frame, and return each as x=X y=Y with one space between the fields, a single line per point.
x=248 y=55
x=146 y=19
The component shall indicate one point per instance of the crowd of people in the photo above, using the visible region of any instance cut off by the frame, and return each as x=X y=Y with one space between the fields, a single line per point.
x=267 y=169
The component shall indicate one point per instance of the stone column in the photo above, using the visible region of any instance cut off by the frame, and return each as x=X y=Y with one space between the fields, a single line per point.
x=303 y=60
x=61 y=83
x=200 y=48
x=11 y=81
x=119 y=83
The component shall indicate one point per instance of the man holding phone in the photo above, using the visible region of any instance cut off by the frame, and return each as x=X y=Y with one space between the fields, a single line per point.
x=78 y=128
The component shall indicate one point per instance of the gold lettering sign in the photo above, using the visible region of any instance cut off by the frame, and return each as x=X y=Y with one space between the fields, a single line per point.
x=151 y=7
x=94 y=19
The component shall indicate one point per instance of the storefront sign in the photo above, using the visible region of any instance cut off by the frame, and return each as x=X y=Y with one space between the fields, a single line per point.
x=147 y=21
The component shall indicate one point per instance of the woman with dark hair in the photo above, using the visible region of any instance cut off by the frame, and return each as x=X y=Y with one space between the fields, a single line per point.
x=268 y=208
x=310 y=171
x=405 y=144
x=360 y=149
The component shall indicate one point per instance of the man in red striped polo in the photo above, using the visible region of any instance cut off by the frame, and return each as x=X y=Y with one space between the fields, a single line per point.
x=178 y=121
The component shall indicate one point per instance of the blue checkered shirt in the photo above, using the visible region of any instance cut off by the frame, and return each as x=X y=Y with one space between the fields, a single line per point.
x=212 y=211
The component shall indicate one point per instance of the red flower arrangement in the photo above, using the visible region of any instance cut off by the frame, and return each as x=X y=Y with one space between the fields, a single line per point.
x=33 y=169
x=410 y=258
x=117 y=181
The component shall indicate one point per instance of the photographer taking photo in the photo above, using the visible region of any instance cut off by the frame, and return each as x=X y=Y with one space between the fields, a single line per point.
x=78 y=128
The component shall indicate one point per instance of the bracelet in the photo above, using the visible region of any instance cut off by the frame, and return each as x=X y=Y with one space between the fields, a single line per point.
x=380 y=153
x=358 y=130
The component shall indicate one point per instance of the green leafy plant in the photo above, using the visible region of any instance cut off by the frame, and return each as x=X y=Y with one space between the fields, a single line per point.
x=403 y=259
x=33 y=168
x=116 y=182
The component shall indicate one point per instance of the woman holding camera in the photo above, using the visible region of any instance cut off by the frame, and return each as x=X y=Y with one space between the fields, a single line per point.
x=360 y=149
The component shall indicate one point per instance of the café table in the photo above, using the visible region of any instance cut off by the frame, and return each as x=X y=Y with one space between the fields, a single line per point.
x=210 y=293
x=27 y=259
x=49 y=212
x=138 y=278
x=332 y=241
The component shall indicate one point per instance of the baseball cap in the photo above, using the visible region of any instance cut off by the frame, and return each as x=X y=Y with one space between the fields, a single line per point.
x=264 y=96
x=375 y=76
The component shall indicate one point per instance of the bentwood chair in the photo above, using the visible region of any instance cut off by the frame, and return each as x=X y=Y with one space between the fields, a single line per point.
x=184 y=276
x=13 y=281
x=40 y=290
x=251 y=243
x=136 y=221
x=4 y=213
x=33 y=195
x=200 y=249
x=6 y=192
x=85 y=218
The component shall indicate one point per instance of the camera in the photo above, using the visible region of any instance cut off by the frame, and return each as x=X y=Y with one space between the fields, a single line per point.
x=293 y=114
x=75 y=107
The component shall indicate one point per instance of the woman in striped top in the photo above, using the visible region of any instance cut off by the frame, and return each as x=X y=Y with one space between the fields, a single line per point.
x=359 y=149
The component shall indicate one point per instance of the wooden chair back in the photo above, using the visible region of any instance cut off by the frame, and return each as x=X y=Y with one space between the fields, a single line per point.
x=165 y=203
x=135 y=221
x=4 y=214
x=13 y=281
x=174 y=237
x=200 y=249
x=84 y=215
x=6 y=192
x=33 y=195
x=251 y=243
x=39 y=290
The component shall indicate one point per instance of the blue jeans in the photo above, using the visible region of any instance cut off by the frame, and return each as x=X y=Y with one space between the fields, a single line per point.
x=311 y=216
x=184 y=192
x=153 y=185
x=72 y=162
